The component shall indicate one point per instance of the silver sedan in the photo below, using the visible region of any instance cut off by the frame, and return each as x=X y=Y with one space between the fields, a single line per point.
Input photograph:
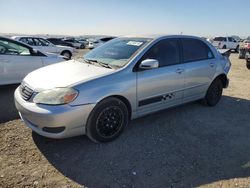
x=124 y=79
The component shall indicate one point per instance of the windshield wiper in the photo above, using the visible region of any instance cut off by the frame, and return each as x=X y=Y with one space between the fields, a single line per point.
x=88 y=61
x=91 y=61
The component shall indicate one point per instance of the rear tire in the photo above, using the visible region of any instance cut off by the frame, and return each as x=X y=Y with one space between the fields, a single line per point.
x=224 y=47
x=214 y=93
x=66 y=54
x=107 y=120
x=242 y=53
x=248 y=64
x=237 y=49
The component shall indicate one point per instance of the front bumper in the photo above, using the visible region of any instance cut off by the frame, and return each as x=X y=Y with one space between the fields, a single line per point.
x=59 y=121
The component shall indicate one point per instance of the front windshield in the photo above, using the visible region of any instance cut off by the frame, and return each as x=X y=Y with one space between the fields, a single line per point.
x=117 y=52
x=10 y=48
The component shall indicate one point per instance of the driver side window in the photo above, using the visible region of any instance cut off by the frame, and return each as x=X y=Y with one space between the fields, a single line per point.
x=40 y=42
x=11 y=48
x=165 y=51
x=44 y=42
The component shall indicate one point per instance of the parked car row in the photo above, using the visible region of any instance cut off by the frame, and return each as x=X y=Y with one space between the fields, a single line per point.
x=226 y=43
x=75 y=43
x=45 y=45
x=59 y=41
x=234 y=43
x=81 y=43
x=20 y=55
x=18 y=59
x=93 y=43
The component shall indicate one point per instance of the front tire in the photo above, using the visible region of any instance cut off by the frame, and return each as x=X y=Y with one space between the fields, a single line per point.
x=214 y=93
x=107 y=120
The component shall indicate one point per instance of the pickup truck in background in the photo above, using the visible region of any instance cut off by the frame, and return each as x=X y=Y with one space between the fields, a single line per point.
x=226 y=43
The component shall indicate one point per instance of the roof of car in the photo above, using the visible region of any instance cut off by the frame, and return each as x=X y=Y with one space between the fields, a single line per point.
x=25 y=36
x=4 y=37
x=12 y=39
x=157 y=36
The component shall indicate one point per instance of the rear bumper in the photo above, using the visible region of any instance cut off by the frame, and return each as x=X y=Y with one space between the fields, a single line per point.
x=60 y=121
x=247 y=56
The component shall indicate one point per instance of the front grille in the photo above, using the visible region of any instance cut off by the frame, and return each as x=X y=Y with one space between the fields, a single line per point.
x=26 y=92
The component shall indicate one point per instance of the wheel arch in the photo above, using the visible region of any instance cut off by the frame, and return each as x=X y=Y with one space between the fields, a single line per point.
x=66 y=51
x=223 y=78
x=124 y=100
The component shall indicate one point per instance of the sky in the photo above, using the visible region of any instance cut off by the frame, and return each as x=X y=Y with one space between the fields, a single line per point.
x=125 y=17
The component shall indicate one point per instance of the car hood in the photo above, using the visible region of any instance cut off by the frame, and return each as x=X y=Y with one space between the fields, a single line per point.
x=63 y=74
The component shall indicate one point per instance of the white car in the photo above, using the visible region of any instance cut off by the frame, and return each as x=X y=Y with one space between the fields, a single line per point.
x=226 y=43
x=45 y=45
x=18 y=59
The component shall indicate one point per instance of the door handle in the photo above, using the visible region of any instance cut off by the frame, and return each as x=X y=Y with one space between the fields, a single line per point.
x=211 y=64
x=179 y=70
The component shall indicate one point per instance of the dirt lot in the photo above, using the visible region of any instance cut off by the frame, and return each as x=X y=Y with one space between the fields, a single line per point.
x=188 y=146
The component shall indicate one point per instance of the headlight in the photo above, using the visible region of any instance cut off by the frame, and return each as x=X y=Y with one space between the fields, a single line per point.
x=56 y=96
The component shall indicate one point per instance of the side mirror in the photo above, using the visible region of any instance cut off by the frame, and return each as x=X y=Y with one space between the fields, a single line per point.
x=34 y=51
x=149 y=64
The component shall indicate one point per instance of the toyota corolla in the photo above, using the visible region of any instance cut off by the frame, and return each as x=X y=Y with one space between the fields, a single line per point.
x=124 y=79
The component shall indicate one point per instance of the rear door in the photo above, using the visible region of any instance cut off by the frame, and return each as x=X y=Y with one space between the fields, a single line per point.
x=231 y=43
x=16 y=62
x=49 y=46
x=161 y=87
x=200 y=65
x=234 y=43
x=44 y=45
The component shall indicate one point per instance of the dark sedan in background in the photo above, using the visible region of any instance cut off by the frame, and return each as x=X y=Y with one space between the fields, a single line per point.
x=59 y=41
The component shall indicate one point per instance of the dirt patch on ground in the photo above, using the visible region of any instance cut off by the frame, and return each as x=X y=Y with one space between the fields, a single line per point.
x=188 y=146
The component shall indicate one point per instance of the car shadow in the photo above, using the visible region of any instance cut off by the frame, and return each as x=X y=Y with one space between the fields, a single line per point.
x=8 y=110
x=186 y=146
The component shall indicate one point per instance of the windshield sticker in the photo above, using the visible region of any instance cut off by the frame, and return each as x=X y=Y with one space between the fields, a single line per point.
x=134 y=43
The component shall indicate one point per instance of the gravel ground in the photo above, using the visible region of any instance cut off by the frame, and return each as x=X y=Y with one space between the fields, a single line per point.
x=188 y=146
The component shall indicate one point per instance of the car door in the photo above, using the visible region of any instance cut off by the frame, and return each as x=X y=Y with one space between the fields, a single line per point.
x=42 y=45
x=48 y=46
x=27 y=40
x=16 y=62
x=161 y=87
x=38 y=45
x=231 y=43
x=200 y=66
x=72 y=42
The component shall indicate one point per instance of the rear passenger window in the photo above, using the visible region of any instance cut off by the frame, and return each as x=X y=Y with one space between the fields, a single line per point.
x=27 y=41
x=195 y=50
x=165 y=51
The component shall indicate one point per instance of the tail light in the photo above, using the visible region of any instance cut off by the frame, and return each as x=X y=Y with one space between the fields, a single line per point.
x=248 y=45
